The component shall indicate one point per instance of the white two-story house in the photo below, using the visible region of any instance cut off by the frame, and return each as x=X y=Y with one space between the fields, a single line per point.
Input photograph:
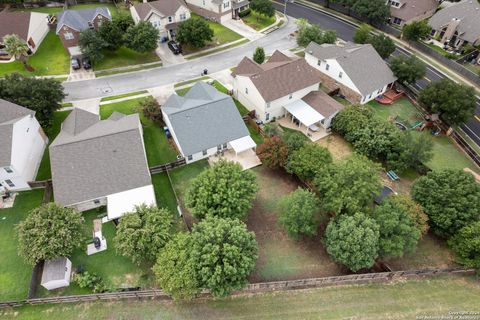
x=218 y=10
x=356 y=70
x=22 y=143
x=165 y=15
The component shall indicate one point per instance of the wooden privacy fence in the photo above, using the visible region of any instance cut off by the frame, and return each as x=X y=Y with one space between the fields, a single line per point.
x=168 y=166
x=250 y=288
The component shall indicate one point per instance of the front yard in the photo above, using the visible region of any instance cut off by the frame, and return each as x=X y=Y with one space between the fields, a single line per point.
x=258 y=21
x=55 y=10
x=124 y=57
x=15 y=274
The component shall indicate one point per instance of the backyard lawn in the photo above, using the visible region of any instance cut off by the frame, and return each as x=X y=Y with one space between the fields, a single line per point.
x=44 y=172
x=50 y=59
x=258 y=21
x=54 y=10
x=221 y=35
x=158 y=149
x=14 y=272
x=409 y=299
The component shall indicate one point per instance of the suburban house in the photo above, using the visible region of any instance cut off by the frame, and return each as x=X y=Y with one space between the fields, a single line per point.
x=403 y=12
x=218 y=10
x=31 y=27
x=22 y=143
x=206 y=122
x=457 y=24
x=101 y=163
x=56 y=273
x=286 y=88
x=356 y=71
x=72 y=22
x=165 y=15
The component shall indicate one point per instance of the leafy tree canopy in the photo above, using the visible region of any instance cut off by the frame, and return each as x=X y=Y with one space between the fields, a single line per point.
x=299 y=213
x=224 y=253
x=348 y=186
x=308 y=161
x=382 y=44
x=142 y=37
x=377 y=11
x=16 y=47
x=362 y=34
x=44 y=96
x=273 y=152
x=195 y=32
x=408 y=69
x=111 y=34
x=353 y=240
x=259 y=55
x=312 y=32
x=123 y=20
x=466 y=245
x=416 y=30
x=450 y=198
x=91 y=44
x=151 y=109
x=49 y=232
x=294 y=140
x=418 y=216
x=223 y=190
x=143 y=233
x=264 y=7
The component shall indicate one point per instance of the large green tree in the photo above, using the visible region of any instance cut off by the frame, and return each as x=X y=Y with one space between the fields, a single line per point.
x=352 y=240
x=194 y=32
x=416 y=30
x=263 y=7
x=273 y=152
x=455 y=102
x=348 y=186
x=408 y=69
x=91 y=45
x=223 y=190
x=299 y=213
x=142 y=37
x=111 y=34
x=418 y=216
x=450 y=198
x=376 y=11
x=382 y=44
x=308 y=161
x=419 y=149
x=294 y=140
x=312 y=32
x=398 y=231
x=466 y=245
x=259 y=55
x=44 y=96
x=224 y=253
x=16 y=48
x=175 y=270
x=362 y=34
x=141 y=234
x=49 y=232
x=123 y=20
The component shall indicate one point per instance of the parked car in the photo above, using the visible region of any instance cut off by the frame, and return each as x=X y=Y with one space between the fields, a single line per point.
x=86 y=63
x=174 y=47
x=75 y=63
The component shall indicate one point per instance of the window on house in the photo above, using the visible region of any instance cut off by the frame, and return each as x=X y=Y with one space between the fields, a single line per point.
x=156 y=24
x=340 y=74
x=267 y=116
x=203 y=2
x=10 y=183
x=190 y=157
x=290 y=96
x=327 y=66
x=226 y=4
x=268 y=104
x=219 y=147
x=8 y=169
x=204 y=152
x=397 y=21
x=224 y=146
x=170 y=19
x=96 y=201
x=319 y=62
x=90 y=25
x=246 y=90
x=183 y=16
x=68 y=35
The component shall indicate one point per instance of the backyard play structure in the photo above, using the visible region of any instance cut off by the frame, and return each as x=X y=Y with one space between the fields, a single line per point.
x=430 y=121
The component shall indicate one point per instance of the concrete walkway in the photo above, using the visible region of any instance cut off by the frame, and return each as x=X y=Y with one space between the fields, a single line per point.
x=162 y=93
x=167 y=56
x=224 y=77
x=91 y=105
x=242 y=29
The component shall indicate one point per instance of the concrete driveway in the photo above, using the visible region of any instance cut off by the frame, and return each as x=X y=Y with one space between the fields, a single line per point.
x=167 y=56
x=80 y=74
x=242 y=29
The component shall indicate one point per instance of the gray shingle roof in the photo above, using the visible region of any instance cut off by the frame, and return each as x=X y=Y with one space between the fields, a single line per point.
x=204 y=118
x=78 y=19
x=9 y=113
x=54 y=270
x=105 y=158
x=467 y=11
x=362 y=64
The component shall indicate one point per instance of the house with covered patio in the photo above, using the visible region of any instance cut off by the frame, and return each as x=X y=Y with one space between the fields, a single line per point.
x=205 y=123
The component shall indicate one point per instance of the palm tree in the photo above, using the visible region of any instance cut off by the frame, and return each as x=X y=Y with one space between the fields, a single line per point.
x=17 y=48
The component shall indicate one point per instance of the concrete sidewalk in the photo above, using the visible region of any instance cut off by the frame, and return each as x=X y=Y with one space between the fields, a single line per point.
x=242 y=29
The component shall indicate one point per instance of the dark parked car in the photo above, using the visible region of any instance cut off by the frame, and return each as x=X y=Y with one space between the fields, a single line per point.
x=75 y=63
x=174 y=47
x=86 y=63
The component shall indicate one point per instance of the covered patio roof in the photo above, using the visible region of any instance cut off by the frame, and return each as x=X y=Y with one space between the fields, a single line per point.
x=243 y=144
x=304 y=113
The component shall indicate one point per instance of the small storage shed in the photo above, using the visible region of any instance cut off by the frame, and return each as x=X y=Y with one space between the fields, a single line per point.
x=56 y=273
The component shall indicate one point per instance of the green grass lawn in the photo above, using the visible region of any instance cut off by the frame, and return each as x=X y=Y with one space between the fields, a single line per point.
x=44 y=172
x=399 y=300
x=124 y=57
x=158 y=149
x=55 y=10
x=182 y=176
x=50 y=59
x=125 y=95
x=164 y=192
x=258 y=21
x=445 y=153
x=14 y=272
x=221 y=35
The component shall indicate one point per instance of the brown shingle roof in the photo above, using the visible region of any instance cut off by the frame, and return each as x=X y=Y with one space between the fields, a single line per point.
x=164 y=7
x=323 y=103
x=15 y=23
x=414 y=8
x=280 y=77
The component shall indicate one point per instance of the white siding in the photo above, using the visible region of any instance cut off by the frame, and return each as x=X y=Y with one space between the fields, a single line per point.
x=28 y=146
x=199 y=155
x=205 y=4
x=134 y=14
x=374 y=94
x=276 y=108
x=122 y=202
x=159 y=20
x=38 y=28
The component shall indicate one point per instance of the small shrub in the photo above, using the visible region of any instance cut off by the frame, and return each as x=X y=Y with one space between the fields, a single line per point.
x=245 y=13
x=91 y=281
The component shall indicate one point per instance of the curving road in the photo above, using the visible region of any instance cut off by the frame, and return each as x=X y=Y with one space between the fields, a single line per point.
x=346 y=30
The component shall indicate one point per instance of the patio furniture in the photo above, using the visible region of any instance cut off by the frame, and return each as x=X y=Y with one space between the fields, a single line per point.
x=393 y=176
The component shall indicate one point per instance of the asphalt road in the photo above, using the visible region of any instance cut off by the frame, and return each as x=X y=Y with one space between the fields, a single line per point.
x=345 y=32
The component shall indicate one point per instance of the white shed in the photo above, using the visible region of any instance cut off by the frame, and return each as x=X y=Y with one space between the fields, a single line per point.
x=56 y=273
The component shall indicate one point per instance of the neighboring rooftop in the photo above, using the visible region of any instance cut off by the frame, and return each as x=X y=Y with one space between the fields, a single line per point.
x=410 y=9
x=9 y=113
x=164 y=7
x=467 y=11
x=79 y=19
x=92 y=159
x=323 y=103
x=279 y=76
x=362 y=64
x=16 y=23
x=204 y=118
